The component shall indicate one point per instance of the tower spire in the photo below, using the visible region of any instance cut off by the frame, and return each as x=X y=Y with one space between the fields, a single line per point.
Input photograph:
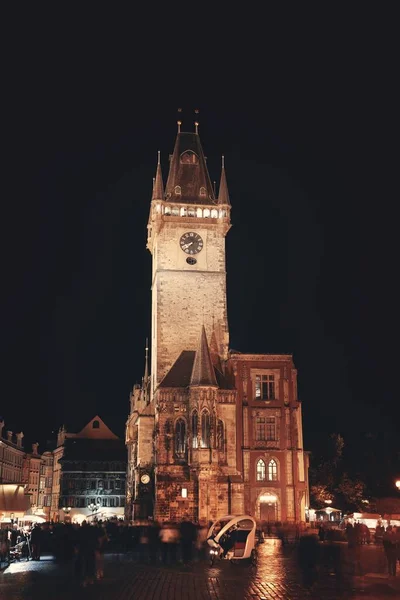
x=158 y=186
x=223 y=195
x=203 y=370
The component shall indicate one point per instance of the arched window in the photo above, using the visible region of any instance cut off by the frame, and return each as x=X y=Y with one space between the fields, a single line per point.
x=272 y=470
x=206 y=213
x=95 y=425
x=183 y=211
x=214 y=213
x=260 y=470
x=191 y=212
x=167 y=210
x=195 y=424
x=178 y=190
x=203 y=191
x=205 y=429
x=175 y=211
x=220 y=435
x=199 y=213
x=180 y=438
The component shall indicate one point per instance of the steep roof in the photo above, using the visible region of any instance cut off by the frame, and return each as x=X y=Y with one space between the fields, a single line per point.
x=203 y=369
x=77 y=449
x=188 y=170
x=158 y=186
x=180 y=373
x=223 y=194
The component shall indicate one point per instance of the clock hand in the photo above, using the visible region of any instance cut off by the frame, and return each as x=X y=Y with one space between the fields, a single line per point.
x=187 y=245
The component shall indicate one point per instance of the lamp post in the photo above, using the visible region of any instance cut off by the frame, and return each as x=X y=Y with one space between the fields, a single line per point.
x=398 y=484
x=67 y=510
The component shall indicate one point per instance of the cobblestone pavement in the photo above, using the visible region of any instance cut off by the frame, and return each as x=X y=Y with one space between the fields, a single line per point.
x=275 y=577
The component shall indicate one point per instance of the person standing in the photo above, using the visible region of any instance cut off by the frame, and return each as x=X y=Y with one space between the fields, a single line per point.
x=36 y=538
x=390 y=548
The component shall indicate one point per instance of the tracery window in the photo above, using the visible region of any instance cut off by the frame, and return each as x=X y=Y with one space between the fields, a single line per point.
x=272 y=470
x=205 y=429
x=260 y=470
x=180 y=438
x=195 y=424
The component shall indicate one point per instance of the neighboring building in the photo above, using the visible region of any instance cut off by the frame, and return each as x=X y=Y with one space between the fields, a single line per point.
x=12 y=457
x=210 y=432
x=89 y=474
x=25 y=469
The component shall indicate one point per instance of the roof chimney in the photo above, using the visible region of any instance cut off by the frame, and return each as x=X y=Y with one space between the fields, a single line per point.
x=9 y=436
x=19 y=435
x=35 y=448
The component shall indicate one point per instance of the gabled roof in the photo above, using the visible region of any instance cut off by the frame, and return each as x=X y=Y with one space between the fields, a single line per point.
x=203 y=369
x=180 y=373
x=188 y=170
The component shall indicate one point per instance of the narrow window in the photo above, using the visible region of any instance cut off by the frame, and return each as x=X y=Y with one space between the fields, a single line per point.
x=95 y=425
x=183 y=211
x=206 y=213
x=199 y=213
x=272 y=470
x=178 y=190
x=203 y=191
x=214 y=213
x=260 y=470
x=220 y=434
x=167 y=210
x=191 y=212
x=195 y=423
x=260 y=429
x=205 y=429
x=271 y=429
x=180 y=438
x=175 y=211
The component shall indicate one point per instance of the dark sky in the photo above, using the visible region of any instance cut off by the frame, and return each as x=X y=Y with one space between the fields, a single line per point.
x=307 y=119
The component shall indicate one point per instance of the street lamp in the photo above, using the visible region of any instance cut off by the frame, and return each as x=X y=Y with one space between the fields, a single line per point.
x=328 y=501
x=398 y=484
x=67 y=510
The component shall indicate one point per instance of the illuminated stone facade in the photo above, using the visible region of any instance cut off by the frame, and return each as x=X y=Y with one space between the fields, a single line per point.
x=190 y=434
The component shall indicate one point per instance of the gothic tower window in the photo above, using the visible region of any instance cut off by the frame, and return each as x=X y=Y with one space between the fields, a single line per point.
x=260 y=470
x=214 y=213
x=183 y=211
x=205 y=429
x=175 y=211
x=199 y=213
x=203 y=191
x=220 y=435
x=191 y=212
x=167 y=210
x=195 y=423
x=178 y=190
x=272 y=470
x=180 y=438
x=206 y=213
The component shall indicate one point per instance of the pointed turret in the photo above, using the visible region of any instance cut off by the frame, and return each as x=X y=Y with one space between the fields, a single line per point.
x=188 y=178
x=158 y=186
x=215 y=358
x=223 y=195
x=203 y=371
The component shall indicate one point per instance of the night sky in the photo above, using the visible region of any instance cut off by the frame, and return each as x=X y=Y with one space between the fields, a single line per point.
x=308 y=125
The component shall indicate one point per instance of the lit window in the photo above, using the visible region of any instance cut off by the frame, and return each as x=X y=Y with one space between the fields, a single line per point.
x=184 y=492
x=175 y=211
x=272 y=470
x=205 y=429
x=206 y=213
x=191 y=212
x=265 y=387
x=95 y=425
x=167 y=210
x=260 y=470
x=180 y=438
x=189 y=158
x=183 y=211
x=195 y=422
x=199 y=213
x=214 y=213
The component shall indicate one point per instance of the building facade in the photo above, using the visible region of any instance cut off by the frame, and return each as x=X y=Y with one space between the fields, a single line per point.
x=197 y=442
x=89 y=474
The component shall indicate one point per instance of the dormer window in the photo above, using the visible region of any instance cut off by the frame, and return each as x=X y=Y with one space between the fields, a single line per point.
x=178 y=190
x=203 y=191
x=95 y=425
x=189 y=158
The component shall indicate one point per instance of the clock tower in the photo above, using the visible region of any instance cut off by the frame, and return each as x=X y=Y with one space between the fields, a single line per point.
x=186 y=236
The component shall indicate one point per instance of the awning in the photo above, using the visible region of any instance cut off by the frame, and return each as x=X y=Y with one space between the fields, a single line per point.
x=13 y=498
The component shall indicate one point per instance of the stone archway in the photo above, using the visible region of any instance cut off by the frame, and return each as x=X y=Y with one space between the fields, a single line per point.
x=268 y=505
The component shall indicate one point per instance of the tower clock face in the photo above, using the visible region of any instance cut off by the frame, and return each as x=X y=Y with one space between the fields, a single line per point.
x=191 y=243
x=145 y=478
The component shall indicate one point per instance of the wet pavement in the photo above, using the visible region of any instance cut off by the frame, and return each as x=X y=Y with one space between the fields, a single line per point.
x=276 y=576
